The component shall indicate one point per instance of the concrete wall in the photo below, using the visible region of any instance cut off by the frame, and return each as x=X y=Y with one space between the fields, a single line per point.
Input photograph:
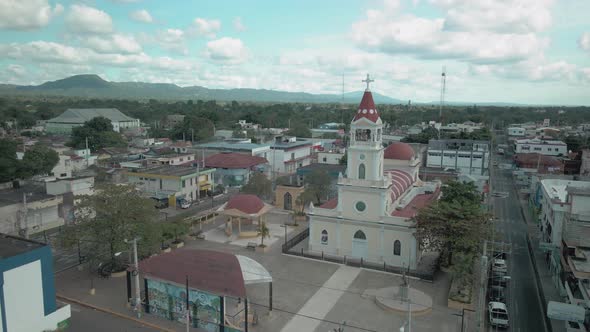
x=331 y=158
x=380 y=240
x=63 y=169
x=280 y=192
x=41 y=215
x=545 y=149
x=470 y=162
x=279 y=159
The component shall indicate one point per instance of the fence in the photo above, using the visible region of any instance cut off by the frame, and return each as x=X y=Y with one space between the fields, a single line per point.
x=427 y=274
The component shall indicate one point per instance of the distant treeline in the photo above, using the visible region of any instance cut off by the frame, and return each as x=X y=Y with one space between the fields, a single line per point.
x=224 y=115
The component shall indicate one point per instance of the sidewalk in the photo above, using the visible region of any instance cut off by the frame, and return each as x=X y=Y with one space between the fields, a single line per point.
x=548 y=291
x=72 y=286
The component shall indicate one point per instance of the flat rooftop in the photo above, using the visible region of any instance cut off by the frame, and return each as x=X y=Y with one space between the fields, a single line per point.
x=15 y=196
x=12 y=245
x=288 y=145
x=231 y=146
x=169 y=170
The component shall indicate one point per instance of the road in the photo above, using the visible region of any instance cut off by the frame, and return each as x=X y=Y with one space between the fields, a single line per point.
x=90 y=320
x=523 y=299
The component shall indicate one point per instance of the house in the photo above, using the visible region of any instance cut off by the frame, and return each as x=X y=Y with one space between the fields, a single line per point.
x=252 y=149
x=28 y=210
x=465 y=156
x=181 y=146
x=288 y=154
x=69 y=189
x=76 y=117
x=27 y=292
x=371 y=218
x=168 y=156
x=516 y=131
x=542 y=146
x=234 y=169
x=173 y=182
x=330 y=157
x=536 y=162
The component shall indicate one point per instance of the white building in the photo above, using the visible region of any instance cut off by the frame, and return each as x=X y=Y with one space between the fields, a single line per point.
x=76 y=117
x=545 y=147
x=465 y=156
x=289 y=153
x=371 y=217
x=27 y=292
x=330 y=157
x=516 y=131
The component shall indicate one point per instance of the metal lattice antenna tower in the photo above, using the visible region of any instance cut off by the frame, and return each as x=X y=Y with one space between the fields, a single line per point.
x=443 y=82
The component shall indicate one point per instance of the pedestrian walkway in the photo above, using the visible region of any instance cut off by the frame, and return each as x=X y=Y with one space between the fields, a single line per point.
x=548 y=290
x=309 y=317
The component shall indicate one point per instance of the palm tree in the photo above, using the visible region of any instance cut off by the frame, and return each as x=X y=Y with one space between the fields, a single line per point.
x=264 y=232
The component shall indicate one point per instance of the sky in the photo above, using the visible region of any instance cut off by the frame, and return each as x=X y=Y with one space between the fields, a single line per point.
x=520 y=51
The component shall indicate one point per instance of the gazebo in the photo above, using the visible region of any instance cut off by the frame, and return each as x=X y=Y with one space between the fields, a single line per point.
x=210 y=284
x=244 y=209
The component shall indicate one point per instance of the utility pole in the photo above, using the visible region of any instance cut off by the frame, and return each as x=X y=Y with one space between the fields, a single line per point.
x=482 y=287
x=87 y=152
x=25 y=217
x=443 y=81
x=192 y=136
x=188 y=310
x=136 y=275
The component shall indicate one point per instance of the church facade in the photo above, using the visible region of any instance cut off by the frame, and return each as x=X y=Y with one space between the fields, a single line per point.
x=372 y=216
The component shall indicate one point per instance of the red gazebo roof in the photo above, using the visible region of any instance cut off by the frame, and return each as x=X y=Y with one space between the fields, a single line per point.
x=214 y=272
x=246 y=203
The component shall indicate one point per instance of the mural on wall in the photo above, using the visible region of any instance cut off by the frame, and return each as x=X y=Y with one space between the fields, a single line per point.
x=169 y=301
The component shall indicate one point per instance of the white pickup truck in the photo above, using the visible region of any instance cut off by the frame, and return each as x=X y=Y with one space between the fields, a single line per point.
x=498 y=314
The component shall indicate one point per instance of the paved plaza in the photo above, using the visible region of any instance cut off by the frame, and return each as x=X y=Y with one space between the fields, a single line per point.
x=308 y=295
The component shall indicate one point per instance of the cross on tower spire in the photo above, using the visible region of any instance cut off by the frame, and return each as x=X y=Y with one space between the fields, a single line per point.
x=368 y=80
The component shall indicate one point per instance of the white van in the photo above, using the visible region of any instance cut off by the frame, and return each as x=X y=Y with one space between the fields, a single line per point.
x=498 y=314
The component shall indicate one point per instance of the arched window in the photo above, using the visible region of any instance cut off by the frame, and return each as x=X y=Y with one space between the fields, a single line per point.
x=287 y=201
x=324 y=239
x=360 y=235
x=362 y=171
x=397 y=248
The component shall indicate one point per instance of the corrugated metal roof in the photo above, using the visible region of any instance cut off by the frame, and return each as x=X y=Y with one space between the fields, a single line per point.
x=81 y=115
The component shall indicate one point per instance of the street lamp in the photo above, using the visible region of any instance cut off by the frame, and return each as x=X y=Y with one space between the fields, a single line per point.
x=135 y=273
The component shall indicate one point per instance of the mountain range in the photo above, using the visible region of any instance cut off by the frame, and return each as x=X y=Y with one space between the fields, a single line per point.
x=93 y=86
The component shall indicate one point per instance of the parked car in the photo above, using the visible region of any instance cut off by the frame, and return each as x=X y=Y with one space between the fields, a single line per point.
x=160 y=203
x=498 y=314
x=498 y=280
x=499 y=265
x=185 y=204
x=496 y=293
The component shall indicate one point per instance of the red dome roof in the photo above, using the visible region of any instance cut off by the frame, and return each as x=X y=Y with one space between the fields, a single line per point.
x=367 y=108
x=246 y=203
x=399 y=151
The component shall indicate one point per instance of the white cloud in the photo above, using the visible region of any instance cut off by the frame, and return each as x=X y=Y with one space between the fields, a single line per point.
x=584 y=41
x=115 y=43
x=142 y=16
x=85 y=19
x=238 y=25
x=482 y=33
x=536 y=69
x=511 y=16
x=27 y=15
x=170 y=39
x=229 y=50
x=205 y=27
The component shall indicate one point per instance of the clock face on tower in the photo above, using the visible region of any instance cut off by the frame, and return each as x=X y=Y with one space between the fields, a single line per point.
x=362 y=156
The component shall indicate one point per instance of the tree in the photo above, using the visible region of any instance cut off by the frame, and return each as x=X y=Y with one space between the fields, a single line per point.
x=573 y=142
x=104 y=221
x=318 y=185
x=461 y=192
x=263 y=232
x=299 y=130
x=99 y=133
x=452 y=228
x=38 y=160
x=344 y=159
x=258 y=185
x=8 y=162
x=201 y=127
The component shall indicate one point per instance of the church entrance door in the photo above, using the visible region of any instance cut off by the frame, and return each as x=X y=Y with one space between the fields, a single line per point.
x=360 y=245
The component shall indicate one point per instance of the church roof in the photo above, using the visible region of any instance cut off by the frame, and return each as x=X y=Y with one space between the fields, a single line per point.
x=401 y=182
x=399 y=151
x=367 y=108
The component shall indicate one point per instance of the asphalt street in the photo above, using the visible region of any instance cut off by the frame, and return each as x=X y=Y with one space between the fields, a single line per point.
x=523 y=300
x=90 y=320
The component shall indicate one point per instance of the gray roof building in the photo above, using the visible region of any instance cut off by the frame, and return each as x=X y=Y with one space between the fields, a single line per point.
x=76 y=117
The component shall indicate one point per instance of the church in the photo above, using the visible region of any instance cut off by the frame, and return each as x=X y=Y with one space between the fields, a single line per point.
x=371 y=218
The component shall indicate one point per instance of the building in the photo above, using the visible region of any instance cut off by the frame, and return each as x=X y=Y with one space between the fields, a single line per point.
x=516 y=131
x=69 y=189
x=464 y=156
x=457 y=128
x=76 y=117
x=536 y=145
x=288 y=154
x=536 y=162
x=172 y=182
x=28 y=210
x=234 y=169
x=286 y=196
x=330 y=157
x=259 y=150
x=371 y=218
x=27 y=292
